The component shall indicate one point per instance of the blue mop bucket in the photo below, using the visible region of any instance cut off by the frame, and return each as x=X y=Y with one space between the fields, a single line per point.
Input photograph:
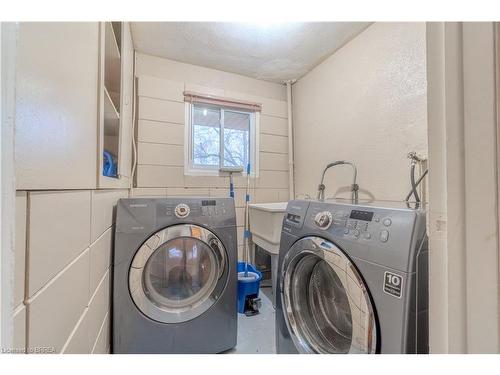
x=247 y=287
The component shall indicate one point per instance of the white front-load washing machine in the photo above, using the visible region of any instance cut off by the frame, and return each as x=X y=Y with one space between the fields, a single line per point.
x=352 y=279
x=174 y=288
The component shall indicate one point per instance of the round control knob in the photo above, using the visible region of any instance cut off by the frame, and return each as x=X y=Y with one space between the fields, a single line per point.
x=323 y=219
x=182 y=210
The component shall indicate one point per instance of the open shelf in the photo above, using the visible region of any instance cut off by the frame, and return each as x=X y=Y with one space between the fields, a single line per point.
x=112 y=60
x=115 y=99
x=111 y=116
x=111 y=127
x=111 y=134
x=117 y=29
x=111 y=93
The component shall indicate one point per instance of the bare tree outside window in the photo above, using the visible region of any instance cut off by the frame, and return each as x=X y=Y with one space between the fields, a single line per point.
x=213 y=127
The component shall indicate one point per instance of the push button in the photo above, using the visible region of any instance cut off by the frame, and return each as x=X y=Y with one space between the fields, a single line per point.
x=384 y=235
x=351 y=224
x=356 y=233
x=368 y=236
x=387 y=222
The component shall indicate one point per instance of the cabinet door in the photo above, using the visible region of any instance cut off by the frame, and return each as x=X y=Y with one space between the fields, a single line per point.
x=127 y=100
x=56 y=105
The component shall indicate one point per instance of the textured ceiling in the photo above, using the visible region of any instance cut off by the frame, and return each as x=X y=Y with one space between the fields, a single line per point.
x=274 y=51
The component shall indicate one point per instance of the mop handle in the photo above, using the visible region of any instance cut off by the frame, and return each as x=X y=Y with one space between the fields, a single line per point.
x=246 y=234
x=231 y=185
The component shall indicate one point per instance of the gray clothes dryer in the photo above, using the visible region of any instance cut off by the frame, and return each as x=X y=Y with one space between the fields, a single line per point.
x=352 y=279
x=174 y=282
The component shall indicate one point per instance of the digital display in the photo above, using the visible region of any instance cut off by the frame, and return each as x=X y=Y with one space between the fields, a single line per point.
x=293 y=218
x=361 y=215
x=208 y=203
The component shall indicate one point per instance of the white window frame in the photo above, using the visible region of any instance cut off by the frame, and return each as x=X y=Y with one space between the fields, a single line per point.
x=191 y=170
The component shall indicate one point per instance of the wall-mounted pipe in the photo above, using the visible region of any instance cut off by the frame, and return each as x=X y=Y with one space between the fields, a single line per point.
x=134 y=120
x=291 y=182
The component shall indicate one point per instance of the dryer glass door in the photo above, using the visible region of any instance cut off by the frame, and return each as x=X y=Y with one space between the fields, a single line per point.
x=326 y=304
x=178 y=273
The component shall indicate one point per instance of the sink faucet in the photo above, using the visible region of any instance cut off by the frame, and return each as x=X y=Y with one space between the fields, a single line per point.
x=354 y=186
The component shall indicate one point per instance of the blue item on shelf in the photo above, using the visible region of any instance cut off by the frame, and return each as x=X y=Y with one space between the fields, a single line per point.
x=109 y=164
x=248 y=288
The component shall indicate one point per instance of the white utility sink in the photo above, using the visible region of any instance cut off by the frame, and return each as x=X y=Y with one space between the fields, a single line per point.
x=266 y=220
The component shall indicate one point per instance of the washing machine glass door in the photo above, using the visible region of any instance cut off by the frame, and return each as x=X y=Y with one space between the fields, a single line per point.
x=178 y=273
x=326 y=304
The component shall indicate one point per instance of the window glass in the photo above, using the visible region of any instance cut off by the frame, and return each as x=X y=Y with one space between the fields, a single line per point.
x=236 y=139
x=213 y=127
x=206 y=136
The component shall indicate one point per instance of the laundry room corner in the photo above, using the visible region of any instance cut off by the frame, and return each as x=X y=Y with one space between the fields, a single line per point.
x=367 y=103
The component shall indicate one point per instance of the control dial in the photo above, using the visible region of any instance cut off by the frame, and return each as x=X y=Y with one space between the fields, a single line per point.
x=182 y=210
x=323 y=219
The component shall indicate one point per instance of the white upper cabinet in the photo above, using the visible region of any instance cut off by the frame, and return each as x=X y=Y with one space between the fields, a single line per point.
x=56 y=105
x=74 y=99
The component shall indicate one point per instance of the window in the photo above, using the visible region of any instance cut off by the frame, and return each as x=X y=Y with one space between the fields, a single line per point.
x=220 y=137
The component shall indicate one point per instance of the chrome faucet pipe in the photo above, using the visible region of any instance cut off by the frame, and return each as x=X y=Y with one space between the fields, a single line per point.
x=354 y=186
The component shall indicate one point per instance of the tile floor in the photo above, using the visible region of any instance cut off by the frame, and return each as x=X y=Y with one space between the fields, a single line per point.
x=256 y=333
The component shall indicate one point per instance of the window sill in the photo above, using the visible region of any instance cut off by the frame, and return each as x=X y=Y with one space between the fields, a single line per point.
x=214 y=173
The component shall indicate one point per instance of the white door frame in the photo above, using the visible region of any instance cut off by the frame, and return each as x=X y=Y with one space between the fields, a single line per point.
x=463 y=188
x=8 y=44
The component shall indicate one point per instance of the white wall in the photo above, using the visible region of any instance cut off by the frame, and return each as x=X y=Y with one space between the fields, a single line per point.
x=63 y=241
x=160 y=133
x=69 y=244
x=8 y=38
x=62 y=271
x=366 y=103
x=463 y=201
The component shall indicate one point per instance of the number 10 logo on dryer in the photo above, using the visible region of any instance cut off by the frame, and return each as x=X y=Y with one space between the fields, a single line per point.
x=393 y=284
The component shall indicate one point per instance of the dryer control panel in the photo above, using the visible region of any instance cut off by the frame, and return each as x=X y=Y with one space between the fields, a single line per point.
x=138 y=215
x=187 y=208
x=356 y=224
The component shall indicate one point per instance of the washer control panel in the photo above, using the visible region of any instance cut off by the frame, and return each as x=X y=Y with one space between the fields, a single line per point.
x=386 y=234
x=363 y=225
